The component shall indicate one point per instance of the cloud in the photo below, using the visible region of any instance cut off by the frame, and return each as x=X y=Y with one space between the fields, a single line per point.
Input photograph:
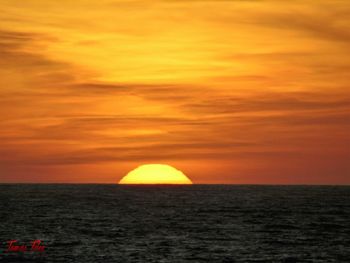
x=273 y=101
x=259 y=85
x=324 y=26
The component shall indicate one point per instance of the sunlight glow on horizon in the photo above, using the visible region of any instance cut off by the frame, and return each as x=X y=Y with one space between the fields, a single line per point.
x=155 y=174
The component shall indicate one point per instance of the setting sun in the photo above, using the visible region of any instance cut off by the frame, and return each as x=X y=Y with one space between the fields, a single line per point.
x=155 y=174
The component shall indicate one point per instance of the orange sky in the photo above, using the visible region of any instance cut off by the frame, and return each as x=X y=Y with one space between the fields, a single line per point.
x=228 y=91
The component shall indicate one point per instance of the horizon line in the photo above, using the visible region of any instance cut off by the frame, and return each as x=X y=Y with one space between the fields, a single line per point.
x=189 y=185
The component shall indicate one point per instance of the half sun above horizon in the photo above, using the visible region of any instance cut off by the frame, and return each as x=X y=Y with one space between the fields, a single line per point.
x=155 y=174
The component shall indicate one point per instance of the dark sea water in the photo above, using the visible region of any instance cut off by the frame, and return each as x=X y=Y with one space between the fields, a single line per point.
x=198 y=223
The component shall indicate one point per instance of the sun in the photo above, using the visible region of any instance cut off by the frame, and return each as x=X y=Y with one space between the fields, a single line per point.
x=155 y=174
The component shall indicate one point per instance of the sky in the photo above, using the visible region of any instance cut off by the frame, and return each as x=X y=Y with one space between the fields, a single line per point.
x=227 y=91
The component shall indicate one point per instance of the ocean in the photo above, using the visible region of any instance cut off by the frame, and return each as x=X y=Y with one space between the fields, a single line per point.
x=195 y=223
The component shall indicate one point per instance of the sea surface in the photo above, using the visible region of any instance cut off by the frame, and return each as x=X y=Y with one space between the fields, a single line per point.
x=195 y=223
